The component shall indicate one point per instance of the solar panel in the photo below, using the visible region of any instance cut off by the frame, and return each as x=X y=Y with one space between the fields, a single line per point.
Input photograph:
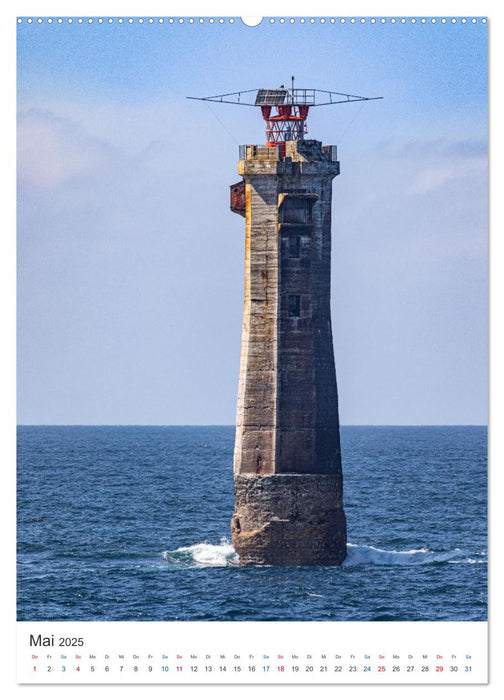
x=271 y=97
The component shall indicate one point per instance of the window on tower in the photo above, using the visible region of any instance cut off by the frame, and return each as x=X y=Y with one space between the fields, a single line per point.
x=296 y=210
x=294 y=306
x=294 y=247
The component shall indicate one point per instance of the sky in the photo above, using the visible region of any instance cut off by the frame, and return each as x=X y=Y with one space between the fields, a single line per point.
x=130 y=264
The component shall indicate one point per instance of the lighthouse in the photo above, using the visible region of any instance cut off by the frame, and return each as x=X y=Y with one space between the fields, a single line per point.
x=288 y=482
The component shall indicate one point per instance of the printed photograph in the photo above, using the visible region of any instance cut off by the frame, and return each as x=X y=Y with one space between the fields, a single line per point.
x=252 y=319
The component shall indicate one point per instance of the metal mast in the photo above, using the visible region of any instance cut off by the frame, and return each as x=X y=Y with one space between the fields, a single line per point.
x=285 y=110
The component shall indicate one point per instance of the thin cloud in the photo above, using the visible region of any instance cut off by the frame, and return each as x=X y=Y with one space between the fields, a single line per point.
x=441 y=162
x=53 y=150
x=439 y=174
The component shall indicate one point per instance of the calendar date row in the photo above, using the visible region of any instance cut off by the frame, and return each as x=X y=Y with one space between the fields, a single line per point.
x=208 y=669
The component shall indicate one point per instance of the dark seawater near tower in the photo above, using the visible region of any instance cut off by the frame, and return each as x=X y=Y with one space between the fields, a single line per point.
x=287 y=459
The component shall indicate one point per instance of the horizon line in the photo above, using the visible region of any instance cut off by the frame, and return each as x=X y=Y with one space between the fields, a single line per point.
x=232 y=425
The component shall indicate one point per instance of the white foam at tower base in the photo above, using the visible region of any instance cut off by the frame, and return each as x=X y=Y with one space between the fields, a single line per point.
x=204 y=554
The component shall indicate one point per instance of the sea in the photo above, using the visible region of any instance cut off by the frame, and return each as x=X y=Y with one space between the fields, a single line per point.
x=133 y=523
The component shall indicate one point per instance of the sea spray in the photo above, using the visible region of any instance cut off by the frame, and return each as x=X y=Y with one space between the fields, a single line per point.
x=204 y=554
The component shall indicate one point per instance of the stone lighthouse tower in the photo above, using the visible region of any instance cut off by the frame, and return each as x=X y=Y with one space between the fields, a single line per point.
x=287 y=463
x=287 y=459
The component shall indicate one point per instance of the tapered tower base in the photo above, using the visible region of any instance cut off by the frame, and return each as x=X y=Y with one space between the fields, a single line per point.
x=289 y=520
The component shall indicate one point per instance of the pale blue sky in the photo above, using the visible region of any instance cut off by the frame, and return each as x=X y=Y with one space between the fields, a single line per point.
x=131 y=264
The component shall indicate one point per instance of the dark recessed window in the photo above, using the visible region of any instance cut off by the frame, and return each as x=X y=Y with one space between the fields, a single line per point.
x=294 y=306
x=296 y=211
x=294 y=247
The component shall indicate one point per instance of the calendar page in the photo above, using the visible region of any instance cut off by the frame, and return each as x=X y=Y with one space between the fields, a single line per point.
x=252 y=348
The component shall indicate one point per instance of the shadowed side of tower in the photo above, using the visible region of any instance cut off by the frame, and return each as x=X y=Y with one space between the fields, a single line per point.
x=287 y=463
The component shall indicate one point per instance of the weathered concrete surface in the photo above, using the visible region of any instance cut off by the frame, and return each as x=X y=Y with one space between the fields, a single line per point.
x=289 y=520
x=287 y=416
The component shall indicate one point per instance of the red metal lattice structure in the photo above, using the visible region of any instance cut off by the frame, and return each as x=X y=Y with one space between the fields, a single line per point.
x=285 y=110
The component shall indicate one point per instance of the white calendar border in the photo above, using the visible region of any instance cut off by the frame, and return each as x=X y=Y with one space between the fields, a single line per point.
x=7 y=425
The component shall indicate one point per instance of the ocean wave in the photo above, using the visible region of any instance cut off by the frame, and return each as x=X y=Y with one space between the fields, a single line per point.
x=366 y=554
x=204 y=555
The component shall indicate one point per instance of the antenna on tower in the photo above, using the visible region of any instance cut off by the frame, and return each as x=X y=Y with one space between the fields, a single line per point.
x=285 y=112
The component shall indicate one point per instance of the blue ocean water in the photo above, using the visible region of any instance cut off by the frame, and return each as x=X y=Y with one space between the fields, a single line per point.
x=132 y=523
